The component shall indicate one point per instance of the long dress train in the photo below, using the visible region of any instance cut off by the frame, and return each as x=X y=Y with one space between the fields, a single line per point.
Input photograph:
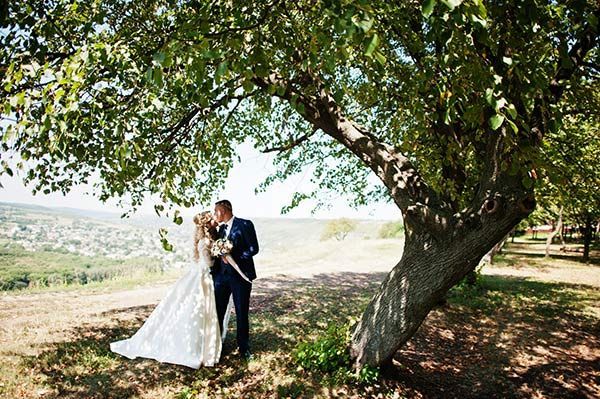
x=183 y=328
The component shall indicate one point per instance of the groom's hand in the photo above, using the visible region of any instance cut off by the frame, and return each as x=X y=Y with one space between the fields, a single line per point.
x=224 y=260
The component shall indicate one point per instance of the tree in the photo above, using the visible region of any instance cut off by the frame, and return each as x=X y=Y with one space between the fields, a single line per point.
x=446 y=102
x=338 y=229
x=571 y=178
x=557 y=231
x=392 y=230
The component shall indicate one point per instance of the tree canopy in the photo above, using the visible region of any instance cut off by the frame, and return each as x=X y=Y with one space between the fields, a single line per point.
x=155 y=95
x=447 y=102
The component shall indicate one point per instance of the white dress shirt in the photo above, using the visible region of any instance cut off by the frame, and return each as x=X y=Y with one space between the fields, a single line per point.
x=228 y=225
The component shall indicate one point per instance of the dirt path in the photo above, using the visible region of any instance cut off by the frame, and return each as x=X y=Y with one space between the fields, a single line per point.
x=27 y=322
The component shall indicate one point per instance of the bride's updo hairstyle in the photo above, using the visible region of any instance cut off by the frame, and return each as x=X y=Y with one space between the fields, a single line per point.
x=204 y=231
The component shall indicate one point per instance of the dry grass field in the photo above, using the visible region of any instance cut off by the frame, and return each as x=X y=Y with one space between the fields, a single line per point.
x=529 y=329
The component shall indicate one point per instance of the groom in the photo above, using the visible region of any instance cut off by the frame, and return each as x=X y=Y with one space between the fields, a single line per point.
x=227 y=280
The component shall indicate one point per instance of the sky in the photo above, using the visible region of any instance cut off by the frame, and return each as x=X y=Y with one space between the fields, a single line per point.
x=239 y=189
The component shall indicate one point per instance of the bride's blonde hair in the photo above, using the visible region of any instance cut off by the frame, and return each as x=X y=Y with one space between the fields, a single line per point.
x=203 y=230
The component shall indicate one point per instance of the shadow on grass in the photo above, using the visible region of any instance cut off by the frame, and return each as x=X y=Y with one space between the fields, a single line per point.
x=283 y=311
x=529 y=250
x=508 y=338
x=575 y=257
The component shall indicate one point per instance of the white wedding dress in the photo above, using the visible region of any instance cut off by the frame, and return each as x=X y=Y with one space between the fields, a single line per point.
x=183 y=328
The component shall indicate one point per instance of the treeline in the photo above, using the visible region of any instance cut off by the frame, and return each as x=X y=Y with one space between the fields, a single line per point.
x=21 y=269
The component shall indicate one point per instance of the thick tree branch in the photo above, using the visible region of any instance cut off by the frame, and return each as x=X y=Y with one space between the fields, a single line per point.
x=421 y=205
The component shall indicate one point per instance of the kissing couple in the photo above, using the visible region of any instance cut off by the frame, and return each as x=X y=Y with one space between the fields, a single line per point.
x=189 y=325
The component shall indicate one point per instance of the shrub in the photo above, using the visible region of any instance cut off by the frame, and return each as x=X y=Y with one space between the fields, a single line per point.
x=329 y=354
x=392 y=230
x=338 y=229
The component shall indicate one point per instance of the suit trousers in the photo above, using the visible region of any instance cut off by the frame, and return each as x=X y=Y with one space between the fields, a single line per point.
x=229 y=283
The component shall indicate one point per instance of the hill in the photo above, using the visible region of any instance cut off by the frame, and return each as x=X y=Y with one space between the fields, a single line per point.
x=44 y=246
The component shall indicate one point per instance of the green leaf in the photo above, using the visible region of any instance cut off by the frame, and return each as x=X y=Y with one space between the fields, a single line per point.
x=512 y=126
x=157 y=76
x=159 y=57
x=452 y=4
x=365 y=24
x=380 y=57
x=177 y=219
x=427 y=7
x=148 y=78
x=372 y=45
x=496 y=121
x=221 y=70
x=481 y=8
x=248 y=86
x=17 y=99
x=512 y=111
x=166 y=245
x=478 y=20
x=489 y=96
x=593 y=20
x=499 y=104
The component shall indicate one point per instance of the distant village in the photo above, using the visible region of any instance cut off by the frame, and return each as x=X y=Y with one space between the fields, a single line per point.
x=89 y=237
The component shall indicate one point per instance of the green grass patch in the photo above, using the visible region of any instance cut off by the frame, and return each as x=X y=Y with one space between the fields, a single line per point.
x=492 y=294
x=22 y=269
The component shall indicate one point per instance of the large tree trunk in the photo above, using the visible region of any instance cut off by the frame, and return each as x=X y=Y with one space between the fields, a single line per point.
x=556 y=231
x=429 y=267
x=488 y=258
x=587 y=237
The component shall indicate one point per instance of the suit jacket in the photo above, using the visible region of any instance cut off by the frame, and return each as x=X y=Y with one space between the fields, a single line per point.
x=245 y=245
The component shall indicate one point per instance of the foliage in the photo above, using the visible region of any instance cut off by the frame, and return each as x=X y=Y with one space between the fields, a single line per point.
x=329 y=354
x=392 y=230
x=338 y=229
x=469 y=286
x=161 y=109
x=572 y=177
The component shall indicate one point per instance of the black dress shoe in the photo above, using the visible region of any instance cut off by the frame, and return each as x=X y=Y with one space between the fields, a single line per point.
x=247 y=356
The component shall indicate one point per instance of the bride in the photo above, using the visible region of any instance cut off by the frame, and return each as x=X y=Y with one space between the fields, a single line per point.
x=183 y=328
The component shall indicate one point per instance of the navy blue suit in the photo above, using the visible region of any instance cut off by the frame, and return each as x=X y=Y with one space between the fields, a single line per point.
x=228 y=282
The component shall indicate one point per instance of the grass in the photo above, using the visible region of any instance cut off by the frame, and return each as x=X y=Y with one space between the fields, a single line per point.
x=284 y=312
x=517 y=336
x=550 y=300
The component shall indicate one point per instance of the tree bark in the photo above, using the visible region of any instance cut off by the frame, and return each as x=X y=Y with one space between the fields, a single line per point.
x=561 y=234
x=556 y=231
x=587 y=237
x=429 y=267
